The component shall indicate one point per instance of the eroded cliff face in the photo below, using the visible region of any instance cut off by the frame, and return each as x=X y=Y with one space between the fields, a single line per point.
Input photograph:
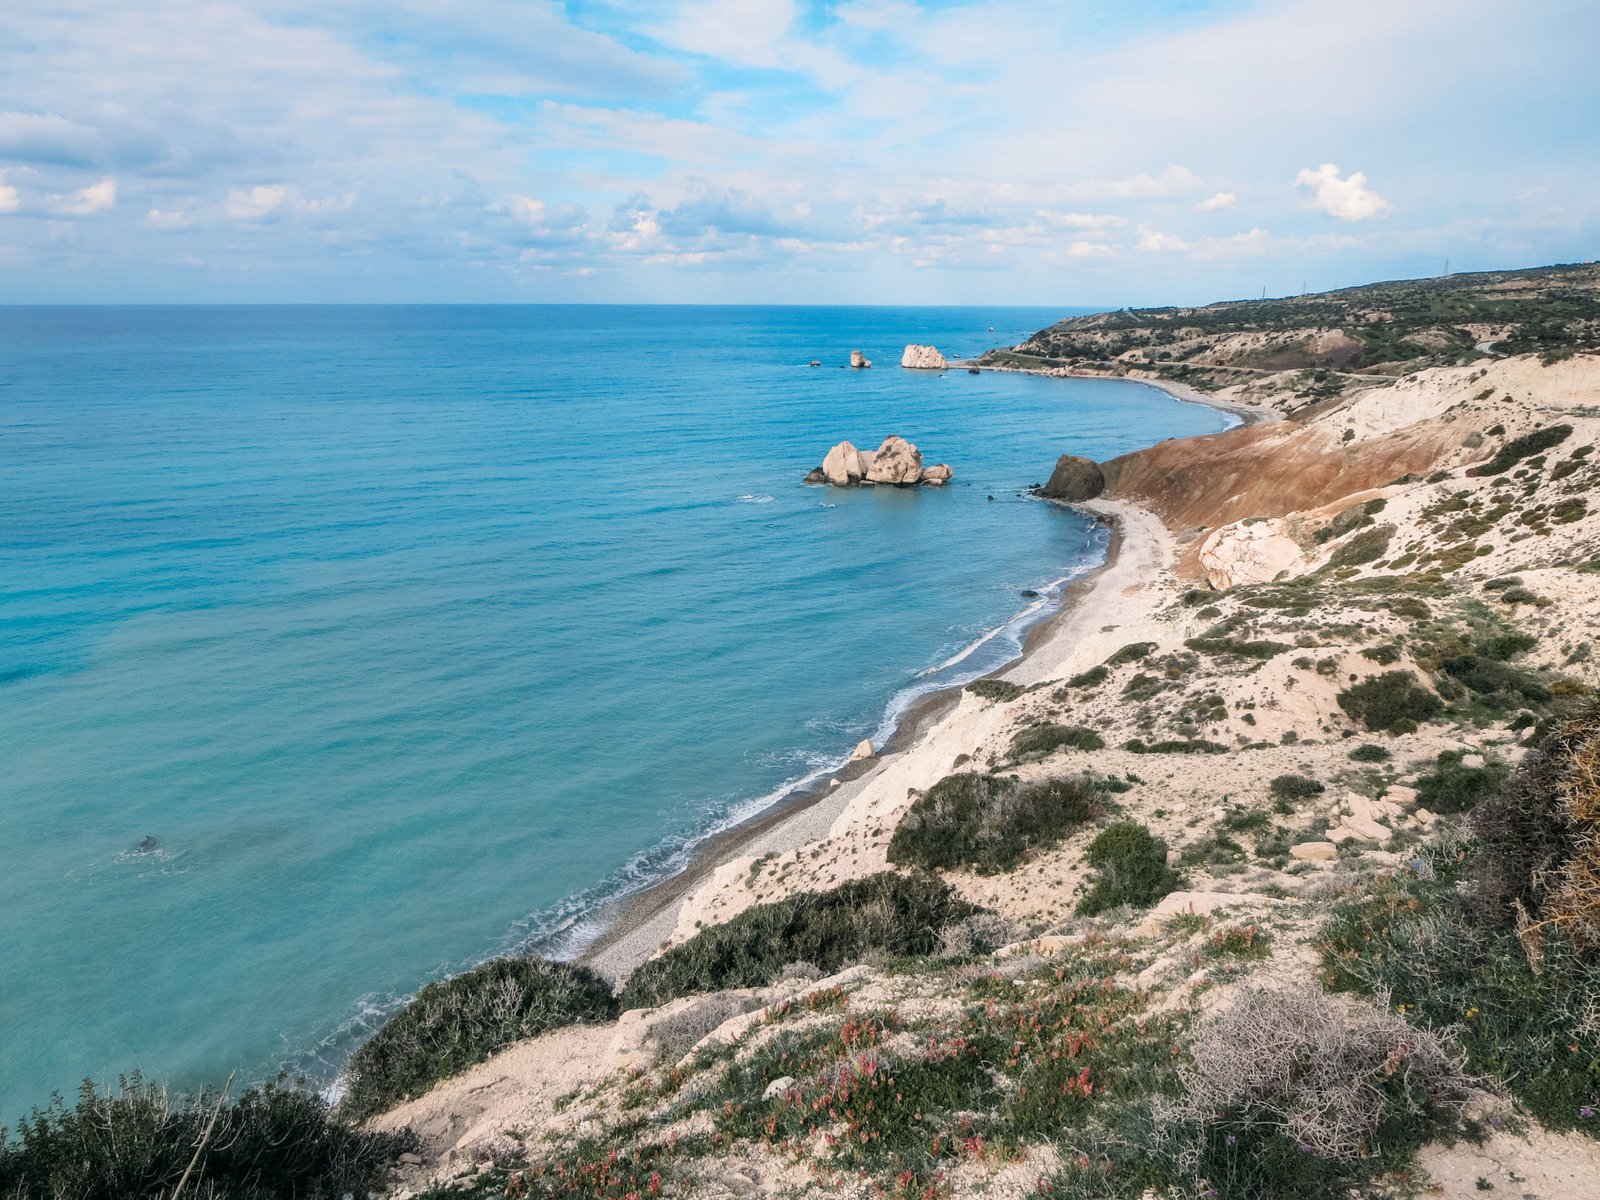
x=1353 y=449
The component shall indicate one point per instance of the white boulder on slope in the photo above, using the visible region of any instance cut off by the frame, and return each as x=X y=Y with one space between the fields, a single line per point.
x=922 y=358
x=1255 y=551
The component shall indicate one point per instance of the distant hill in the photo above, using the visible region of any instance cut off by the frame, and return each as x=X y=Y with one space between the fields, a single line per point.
x=1380 y=330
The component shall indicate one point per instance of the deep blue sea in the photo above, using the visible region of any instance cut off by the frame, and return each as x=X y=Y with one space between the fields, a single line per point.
x=411 y=634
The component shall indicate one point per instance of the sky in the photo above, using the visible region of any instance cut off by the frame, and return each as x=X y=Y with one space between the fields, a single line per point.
x=1072 y=152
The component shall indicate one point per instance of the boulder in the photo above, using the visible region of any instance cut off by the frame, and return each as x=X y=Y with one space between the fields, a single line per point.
x=937 y=475
x=1074 y=479
x=922 y=358
x=816 y=475
x=863 y=751
x=1314 y=851
x=859 y=360
x=843 y=466
x=1250 y=552
x=897 y=461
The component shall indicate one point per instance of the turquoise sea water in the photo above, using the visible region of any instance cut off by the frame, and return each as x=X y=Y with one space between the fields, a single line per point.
x=410 y=634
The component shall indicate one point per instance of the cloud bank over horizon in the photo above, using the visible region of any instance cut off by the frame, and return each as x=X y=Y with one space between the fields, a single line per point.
x=865 y=151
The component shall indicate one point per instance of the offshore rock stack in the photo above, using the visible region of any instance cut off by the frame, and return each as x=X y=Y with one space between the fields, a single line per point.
x=896 y=463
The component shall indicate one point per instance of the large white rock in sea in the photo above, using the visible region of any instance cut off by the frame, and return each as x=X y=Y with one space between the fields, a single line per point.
x=843 y=466
x=859 y=360
x=922 y=358
x=897 y=461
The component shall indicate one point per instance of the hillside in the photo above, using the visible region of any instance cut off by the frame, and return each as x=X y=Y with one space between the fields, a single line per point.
x=1300 y=350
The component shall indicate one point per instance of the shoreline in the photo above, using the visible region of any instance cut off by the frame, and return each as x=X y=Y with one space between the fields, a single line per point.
x=635 y=926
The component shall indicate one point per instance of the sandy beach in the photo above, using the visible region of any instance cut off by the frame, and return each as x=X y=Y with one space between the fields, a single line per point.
x=1096 y=614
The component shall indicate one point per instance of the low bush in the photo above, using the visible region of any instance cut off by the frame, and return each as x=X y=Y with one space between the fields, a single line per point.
x=1093 y=677
x=138 y=1141
x=1130 y=868
x=1451 y=788
x=995 y=689
x=989 y=822
x=1370 y=752
x=1367 y=546
x=1295 y=1093
x=1295 y=787
x=1132 y=652
x=1236 y=647
x=457 y=1022
x=1496 y=684
x=1048 y=738
x=1523 y=447
x=1391 y=702
x=1174 y=746
x=886 y=913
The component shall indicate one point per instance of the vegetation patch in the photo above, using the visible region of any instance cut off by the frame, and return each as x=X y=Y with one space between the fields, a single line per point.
x=1523 y=447
x=1130 y=868
x=1237 y=647
x=1295 y=787
x=1392 y=702
x=1451 y=788
x=887 y=913
x=1367 y=546
x=995 y=689
x=990 y=822
x=1174 y=746
x=460 y=1021
x=1132 y=652
x=1048 y=738
x=137 y=1140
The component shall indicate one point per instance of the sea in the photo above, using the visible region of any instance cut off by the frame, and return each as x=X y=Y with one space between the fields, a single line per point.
x=342 y=648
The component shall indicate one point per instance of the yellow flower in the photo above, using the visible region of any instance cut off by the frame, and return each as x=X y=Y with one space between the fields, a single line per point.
x=1471 y=1012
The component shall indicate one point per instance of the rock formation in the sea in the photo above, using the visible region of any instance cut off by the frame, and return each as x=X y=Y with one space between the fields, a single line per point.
x=922 y=358
x=859 y=360
x=1074 y=479
x=844 y=466
x=895 y=463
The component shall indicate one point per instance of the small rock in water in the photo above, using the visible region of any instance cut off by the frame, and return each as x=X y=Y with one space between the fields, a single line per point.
x=1029 y=594
x=991 y=497
x=147 y=844
x=859 y=360
x=973 y=371
x=816 y=362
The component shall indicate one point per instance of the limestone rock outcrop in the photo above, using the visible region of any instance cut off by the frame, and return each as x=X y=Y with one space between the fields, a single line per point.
x=897 y=461
x=1074 y=479
x=843 y=467
x=922 y=358
x=1255 y=551
x=859 y=360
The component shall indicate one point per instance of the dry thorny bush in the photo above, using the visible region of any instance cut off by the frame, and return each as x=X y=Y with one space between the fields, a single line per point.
x=1325 y=1071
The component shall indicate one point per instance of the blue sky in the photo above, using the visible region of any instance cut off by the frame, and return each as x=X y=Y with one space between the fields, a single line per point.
x=869 y=151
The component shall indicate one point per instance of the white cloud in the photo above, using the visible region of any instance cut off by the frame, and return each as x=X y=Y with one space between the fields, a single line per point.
x=1087 y=249
x=1153 y=241
x=252 y=204
x=10 y=198
x=84 y=202
x=1348 y=199
x=1219 y=201
x=169 y=220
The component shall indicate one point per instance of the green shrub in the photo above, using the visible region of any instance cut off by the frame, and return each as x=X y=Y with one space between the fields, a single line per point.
x=1367 y=546
x=1295 y=787
x=1132 y=652
x=1370 y=752
x=1503 y=647
x=1048 y=738
x=1174 y=746
x=1130 y=868
x=1236 y=647
x=1452 y=788
x=886 y=913
x=137 y=1141
x=1391 y=702
x=1093 y=677
x=995 y=689
x=1497 y=684
x=1523 y=447
x=457 y=1022
x=989 y=822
